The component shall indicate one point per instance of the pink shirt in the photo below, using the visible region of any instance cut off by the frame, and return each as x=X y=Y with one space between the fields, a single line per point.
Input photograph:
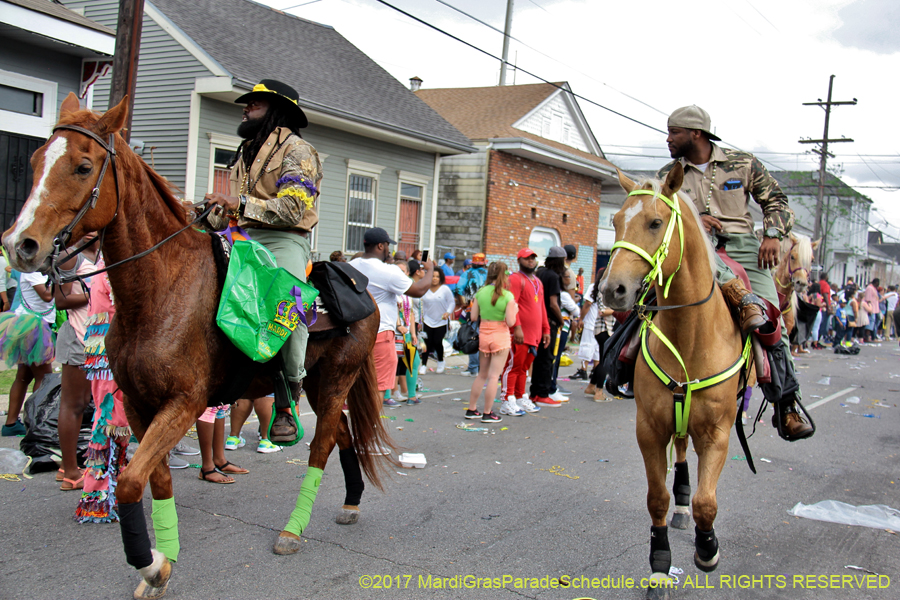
x=871 y=299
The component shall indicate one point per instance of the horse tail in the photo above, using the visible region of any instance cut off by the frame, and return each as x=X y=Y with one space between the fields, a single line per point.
x=370 y=439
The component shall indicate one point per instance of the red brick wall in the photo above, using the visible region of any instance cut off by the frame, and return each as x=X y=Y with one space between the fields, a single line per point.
x=550 y=191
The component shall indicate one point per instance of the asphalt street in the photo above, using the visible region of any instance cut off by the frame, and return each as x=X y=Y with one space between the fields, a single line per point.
x=559 y=494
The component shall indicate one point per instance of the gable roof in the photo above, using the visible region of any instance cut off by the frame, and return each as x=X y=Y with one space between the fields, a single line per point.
x=59 y=11
x=254 y=42
x=806 y=183
x=486 y=113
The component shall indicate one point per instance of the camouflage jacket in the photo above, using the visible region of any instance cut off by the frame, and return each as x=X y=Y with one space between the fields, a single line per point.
x=724 y=191
x=284 y=195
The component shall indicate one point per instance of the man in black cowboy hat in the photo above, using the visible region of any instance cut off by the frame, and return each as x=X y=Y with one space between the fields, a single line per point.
x=273 y=189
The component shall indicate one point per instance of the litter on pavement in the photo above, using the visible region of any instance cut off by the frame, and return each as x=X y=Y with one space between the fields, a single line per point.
x=877 y=516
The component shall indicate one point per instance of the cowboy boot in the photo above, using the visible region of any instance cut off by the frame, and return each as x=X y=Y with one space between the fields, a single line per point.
x=284 y=428
x=747 y=304
x=789 y=422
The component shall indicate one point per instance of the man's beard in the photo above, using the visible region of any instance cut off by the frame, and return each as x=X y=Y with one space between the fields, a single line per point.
x=682 y=150
x=248 y=129
x=525 y=269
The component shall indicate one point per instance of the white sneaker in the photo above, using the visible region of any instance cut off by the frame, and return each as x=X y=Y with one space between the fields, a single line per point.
x=440 y=367
x=422 y=370
x=527 y=405
x=558 y=397
x=510 y=408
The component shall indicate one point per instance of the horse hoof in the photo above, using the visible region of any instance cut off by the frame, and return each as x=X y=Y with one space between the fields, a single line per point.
x=660 y=588
x=681 y=520
x=155 y=578
x=287 y=543
x=707 y=566
x=146 y=591
x=347 y=516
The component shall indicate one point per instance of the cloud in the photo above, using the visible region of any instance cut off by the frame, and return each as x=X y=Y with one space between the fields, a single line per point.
x=870 y=25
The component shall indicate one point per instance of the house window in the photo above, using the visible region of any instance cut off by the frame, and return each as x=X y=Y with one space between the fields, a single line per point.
x=27 y=105
x=25 y=102
x=541 y=239
x=221 y=173
x=360 y=210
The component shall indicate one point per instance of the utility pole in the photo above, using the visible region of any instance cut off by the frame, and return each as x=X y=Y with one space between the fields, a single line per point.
x=507 y=30
x=125 y=61
x=823 y=153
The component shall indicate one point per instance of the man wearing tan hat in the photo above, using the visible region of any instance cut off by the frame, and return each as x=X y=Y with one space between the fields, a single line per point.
x=721 y=182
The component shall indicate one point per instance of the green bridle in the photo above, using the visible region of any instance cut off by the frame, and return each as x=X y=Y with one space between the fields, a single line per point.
x=659 y=257
x=682 y=401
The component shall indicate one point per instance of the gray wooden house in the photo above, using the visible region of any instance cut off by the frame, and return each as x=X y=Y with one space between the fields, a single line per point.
x=381 y=145
x=46 y=52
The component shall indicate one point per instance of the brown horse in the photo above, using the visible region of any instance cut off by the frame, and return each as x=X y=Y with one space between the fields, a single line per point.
x=699 y=325
x=792 y=274
x=167 y=354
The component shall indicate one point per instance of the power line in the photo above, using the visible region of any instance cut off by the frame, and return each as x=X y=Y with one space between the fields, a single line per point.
x=486 y=53
x=514 y=38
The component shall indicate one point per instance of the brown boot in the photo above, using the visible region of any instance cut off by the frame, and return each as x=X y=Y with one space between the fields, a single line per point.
x=793 y=426
x=746 y=303
x=284 y=429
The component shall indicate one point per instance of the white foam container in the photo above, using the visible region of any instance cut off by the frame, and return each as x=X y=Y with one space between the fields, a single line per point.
x=410 y=461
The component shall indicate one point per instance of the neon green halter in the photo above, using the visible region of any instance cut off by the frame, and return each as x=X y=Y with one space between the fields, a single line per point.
x=682 y=401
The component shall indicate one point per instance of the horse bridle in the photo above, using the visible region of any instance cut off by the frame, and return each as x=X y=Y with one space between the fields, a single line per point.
x=62 y=238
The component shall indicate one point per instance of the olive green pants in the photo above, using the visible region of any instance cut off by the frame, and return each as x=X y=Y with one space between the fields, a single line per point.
x=744 y=249
x=291 y=252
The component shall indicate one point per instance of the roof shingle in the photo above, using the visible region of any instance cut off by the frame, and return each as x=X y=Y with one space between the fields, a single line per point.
x=254 y=42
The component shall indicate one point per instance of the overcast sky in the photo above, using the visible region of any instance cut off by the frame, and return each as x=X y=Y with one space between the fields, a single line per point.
x=750 y=63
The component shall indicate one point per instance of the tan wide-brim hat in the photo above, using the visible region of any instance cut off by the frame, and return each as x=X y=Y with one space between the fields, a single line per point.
x=692 y=117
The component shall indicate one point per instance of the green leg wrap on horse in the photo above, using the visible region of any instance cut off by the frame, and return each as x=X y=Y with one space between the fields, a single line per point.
x=165 y=526
x=308 y=490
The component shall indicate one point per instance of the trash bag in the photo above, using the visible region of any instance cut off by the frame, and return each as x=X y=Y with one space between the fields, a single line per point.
x=852 y=350
x=41 y=414
x=878 y=516
x=12 y=461
x=261 y=304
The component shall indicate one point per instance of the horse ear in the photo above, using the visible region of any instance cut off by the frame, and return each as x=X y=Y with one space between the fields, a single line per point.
x=70 y=104
x=674 y=179
x=815 y=244
x=627 y=184
x=113 y=120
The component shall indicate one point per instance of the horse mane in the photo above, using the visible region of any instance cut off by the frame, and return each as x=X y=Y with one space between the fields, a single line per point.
x=656 y=187
x=126 y=158
x=803 y=245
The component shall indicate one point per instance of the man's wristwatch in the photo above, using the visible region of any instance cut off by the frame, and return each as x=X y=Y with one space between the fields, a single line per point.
x=773 y=232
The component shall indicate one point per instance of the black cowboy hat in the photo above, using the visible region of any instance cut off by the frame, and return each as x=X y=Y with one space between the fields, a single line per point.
x=286 y=95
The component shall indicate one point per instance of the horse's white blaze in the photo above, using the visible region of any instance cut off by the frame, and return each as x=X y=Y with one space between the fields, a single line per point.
x=54 y=152
x=633 y=211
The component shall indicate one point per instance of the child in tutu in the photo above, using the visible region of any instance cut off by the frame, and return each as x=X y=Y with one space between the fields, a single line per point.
x=27 y=340
x=106 y=455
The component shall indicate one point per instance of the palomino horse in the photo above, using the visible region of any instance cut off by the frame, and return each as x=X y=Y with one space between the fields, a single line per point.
x=167 y=354
x=792 y=274
x=657 y=226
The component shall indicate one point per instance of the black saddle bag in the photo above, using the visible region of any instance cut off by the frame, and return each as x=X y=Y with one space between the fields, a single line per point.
x=342 y=290
x=618 y=368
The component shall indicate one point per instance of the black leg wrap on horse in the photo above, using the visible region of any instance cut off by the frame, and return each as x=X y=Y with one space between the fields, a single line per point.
x=352 y=476
x=682 y=485
x=706 y=543
x=134 y=534
x=660 y=555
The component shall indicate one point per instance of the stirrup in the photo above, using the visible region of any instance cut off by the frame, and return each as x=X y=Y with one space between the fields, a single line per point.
x=283 y=394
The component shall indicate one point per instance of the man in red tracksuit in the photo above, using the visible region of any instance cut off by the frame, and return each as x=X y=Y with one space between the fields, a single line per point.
x=532 y=328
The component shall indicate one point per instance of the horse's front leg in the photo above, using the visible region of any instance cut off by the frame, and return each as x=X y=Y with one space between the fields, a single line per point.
x=327 y=401
x=158 y=434
x=711 y=443
x=681 y=488
x=652 y=441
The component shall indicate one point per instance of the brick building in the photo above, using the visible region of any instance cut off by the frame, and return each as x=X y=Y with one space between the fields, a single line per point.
x=536 y=181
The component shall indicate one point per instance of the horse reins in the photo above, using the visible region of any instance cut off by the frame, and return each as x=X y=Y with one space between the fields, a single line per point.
x=682 y=401
x=62 y=238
